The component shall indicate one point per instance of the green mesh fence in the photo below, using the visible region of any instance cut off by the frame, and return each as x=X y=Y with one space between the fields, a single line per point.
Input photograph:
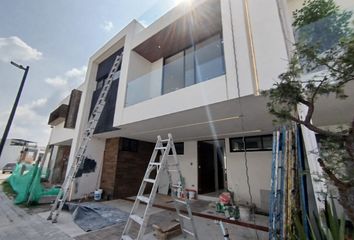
x=26 y=182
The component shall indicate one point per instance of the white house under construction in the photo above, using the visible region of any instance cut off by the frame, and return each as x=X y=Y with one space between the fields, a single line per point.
x=196 y=73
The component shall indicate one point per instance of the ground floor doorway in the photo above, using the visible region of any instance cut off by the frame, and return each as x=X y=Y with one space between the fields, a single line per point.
x=211 y=167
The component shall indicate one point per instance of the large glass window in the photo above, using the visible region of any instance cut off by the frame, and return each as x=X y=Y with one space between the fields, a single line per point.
x=173 y=73
x=209 y=59
x=195 y=64
x=189 y=74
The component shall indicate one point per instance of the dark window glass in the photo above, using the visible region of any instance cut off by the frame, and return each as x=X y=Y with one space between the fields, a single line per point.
x=236 y=144
x=209 y=59
x=179 y=148
x=173 y=78
x=257 y=143
x=253 y=143
x=129 y=145
x=267 y=142
x=189 y=67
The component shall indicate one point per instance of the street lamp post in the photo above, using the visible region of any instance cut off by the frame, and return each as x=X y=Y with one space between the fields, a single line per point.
x=12 y=114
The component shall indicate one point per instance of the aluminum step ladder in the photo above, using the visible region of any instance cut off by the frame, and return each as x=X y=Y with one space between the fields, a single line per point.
x=85 y=139
x=170 y=163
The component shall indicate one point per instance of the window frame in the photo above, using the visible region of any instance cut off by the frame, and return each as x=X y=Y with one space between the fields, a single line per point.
x=129 y=145
x=261 y=138
x=193 y=46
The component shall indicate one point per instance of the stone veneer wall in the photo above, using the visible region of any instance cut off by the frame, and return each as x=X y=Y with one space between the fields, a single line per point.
x=131 y=169
x=109 y=168
x=123 y=171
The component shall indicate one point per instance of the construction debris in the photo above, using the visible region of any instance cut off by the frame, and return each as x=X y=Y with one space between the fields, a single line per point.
x=91 y=216
x=163 y=231
x=26 y=182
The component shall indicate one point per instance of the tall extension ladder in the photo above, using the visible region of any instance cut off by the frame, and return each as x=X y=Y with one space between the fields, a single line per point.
x=171 y=164
x=86 y=137
x=276 y=202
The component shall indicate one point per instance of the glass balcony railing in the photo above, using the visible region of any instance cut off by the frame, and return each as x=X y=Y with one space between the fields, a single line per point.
x=199 y=63
x=143 y=88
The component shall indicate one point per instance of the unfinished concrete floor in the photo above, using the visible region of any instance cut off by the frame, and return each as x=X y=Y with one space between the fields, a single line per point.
x=206 y=228
x=24 y=224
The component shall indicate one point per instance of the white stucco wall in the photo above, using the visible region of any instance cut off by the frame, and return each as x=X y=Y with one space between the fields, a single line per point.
x=189 y=165
x=259 y=169
x=138 y=66
x=60 y=134
x=236 y=44
x=89 y=182
x=268 y=40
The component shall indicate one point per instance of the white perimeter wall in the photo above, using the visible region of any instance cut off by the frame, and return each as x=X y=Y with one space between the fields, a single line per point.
x=10 y=154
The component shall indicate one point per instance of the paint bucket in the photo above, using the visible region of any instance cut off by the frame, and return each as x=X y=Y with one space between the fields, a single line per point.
x=191 y=194
x=97 y=195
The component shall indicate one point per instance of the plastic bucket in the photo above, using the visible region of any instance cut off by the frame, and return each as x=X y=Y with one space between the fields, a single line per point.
x=97 y=195
x=191 y=194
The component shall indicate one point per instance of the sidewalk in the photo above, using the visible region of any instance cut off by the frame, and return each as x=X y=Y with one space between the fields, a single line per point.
x=15 y=223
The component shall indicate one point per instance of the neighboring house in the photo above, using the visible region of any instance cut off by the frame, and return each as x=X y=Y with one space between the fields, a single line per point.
x=196 y=73
x=19 y=150
x=62 y=121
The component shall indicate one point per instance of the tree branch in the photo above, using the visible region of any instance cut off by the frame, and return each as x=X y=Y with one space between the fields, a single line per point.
x=332 y=176
x=310 y=126
x=303 y=101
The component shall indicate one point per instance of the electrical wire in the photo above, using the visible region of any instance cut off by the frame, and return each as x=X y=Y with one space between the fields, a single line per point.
x=241 y=114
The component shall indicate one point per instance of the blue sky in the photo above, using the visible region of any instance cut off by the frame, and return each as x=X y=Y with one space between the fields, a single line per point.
x=56 y=39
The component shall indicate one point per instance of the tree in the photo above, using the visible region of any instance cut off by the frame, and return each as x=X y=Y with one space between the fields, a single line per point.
x=322 y=65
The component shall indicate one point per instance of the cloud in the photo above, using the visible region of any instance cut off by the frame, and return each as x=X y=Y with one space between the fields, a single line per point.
x=69 y=79
x=28 y=111
x=107 y=26
x=28 y=123
x=13 y=49
x=56 y=81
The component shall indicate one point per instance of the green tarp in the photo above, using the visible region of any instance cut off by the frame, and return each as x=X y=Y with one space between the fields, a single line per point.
x=26 y=182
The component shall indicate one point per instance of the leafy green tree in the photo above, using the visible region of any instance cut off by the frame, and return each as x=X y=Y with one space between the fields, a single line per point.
x=322 y=65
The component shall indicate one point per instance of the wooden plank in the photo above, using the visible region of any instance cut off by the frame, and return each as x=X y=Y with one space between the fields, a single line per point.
x=211 y=217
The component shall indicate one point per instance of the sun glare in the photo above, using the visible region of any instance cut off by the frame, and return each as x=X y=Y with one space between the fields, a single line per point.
x=183 y=1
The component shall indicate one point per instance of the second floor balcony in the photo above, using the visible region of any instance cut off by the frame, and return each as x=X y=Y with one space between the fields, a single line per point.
x=186 y=52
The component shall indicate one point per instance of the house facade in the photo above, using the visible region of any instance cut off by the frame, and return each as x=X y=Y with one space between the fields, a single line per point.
x=19 y=151
x=63 y=122
x=196 y=72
